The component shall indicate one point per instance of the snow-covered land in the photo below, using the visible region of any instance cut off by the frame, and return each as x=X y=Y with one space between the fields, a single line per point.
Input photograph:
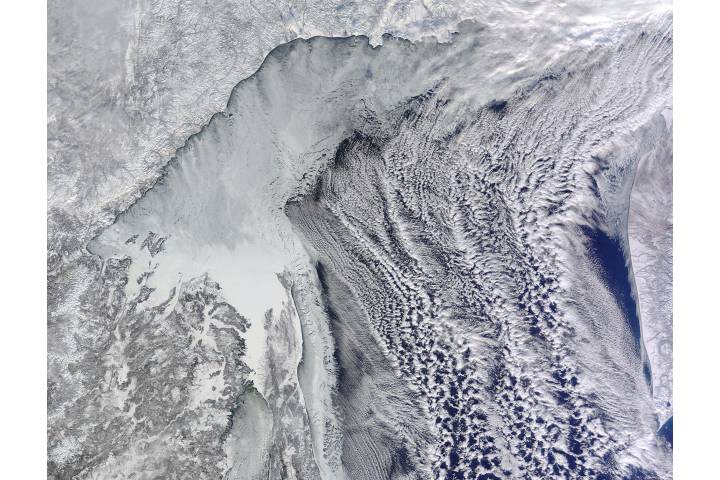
x=444 y=252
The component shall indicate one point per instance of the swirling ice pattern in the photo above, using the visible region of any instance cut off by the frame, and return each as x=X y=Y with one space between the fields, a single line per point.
x=381 y=263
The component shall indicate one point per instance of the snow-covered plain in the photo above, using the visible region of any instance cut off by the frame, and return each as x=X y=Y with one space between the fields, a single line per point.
x=373 y=259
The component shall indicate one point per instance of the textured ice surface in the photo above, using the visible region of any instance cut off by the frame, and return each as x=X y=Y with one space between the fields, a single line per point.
x=407 y=261
x=128 y=81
